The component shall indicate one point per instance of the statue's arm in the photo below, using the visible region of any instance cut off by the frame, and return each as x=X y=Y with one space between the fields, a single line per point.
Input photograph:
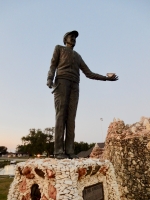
x=89 y=74
x=53 y=66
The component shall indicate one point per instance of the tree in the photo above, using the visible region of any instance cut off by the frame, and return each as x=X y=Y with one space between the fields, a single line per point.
x=36 y=142
x=91 y=145
x=21 y=149
x=82 y=146
x=3 y=150
x=49 y=146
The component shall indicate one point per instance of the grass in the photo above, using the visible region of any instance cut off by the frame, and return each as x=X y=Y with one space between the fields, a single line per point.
x=4 y=187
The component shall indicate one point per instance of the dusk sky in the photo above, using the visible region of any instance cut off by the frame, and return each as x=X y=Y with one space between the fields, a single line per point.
x=114 y=36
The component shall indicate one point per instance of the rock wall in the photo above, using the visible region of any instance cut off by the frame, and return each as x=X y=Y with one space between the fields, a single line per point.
x=97 y=152
x=52 y=179
x=128 y=149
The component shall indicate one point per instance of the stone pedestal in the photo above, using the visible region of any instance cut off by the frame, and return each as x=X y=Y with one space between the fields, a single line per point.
x=128 y=149
x=52 y=179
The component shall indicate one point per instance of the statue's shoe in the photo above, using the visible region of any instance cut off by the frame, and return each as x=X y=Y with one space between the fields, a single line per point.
x=61 y=156
x=72 y=156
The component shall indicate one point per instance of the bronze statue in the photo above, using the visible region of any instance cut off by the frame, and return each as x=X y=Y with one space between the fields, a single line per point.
x=67 y=64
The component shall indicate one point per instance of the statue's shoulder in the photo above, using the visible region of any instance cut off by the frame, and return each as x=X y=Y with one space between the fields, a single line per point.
x=77 y=54
x=59 y=46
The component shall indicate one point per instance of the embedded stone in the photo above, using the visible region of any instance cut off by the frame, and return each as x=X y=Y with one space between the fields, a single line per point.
x=39 y=172
x=22 y=186
x=148 y=145
x=26 y=170
x=52 y=192
x=81 y=172
x=50 y=173
x=30 y=176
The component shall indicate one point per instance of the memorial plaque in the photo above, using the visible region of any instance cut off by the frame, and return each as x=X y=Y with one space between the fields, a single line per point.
x=94 y=192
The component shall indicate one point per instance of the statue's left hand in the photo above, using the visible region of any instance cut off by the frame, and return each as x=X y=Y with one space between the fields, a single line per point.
x=112 y=78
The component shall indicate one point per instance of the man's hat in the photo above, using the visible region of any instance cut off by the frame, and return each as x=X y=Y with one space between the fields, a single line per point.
x=68 y=33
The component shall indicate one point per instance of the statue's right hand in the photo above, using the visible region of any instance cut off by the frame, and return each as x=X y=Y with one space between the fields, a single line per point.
x=49 y=83
x=112 y=78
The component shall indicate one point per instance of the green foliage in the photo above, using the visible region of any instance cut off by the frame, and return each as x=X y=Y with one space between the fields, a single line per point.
x=36 y=142
x=3 y=163
x=82 y=146
x=4 y=187
x=91 y=145
x=3 y=150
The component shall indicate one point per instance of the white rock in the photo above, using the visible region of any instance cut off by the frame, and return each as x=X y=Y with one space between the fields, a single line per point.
x=68 y=182
x=137 y=124
x=145 y=122
x=142 y=119
x=148 y=127
x=148 y=145
x=66 y=191
x=114 y=120
x=133 y=129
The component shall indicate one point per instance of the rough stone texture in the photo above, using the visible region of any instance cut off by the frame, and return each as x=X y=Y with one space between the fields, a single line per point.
x=96 y=152
x=128 y=149
x=62 y=179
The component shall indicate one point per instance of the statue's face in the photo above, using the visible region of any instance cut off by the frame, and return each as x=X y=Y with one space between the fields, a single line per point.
x=71 y=40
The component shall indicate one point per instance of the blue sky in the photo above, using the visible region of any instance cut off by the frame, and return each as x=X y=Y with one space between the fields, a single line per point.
x=114 y=36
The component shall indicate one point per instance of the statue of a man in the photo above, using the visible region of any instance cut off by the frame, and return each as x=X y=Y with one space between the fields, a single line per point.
x=67 y=64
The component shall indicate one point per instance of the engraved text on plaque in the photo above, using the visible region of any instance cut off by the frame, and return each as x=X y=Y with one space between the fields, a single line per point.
x=94 y=192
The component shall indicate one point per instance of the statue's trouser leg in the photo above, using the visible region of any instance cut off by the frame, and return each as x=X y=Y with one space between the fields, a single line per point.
x=63 y=108
x=70 y=123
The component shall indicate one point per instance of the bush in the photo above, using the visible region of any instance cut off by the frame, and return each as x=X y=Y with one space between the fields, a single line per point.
x=4 y=163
